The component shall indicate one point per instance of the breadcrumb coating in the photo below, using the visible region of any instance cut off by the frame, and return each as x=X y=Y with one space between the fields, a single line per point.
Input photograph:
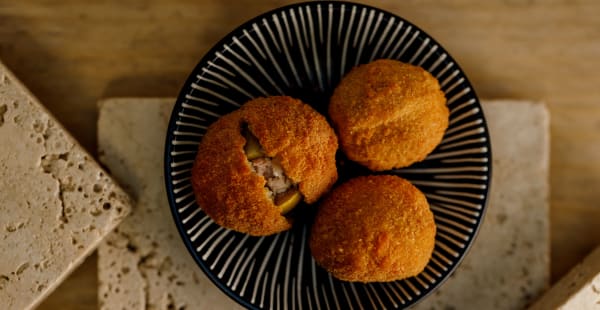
x=388 y=114
x=291 y=132
x=373 y=228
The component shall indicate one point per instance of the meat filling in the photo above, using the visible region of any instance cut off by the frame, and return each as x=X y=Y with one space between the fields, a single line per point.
x=277 y=182
x=279 y=187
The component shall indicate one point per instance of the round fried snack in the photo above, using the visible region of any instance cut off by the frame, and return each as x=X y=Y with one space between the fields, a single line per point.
x=388 y=114
x=293 y=136
x=373 y=229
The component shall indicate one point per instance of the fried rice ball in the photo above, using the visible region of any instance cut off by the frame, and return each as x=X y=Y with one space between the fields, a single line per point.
x=388 y=114
x=373 y=229
x=299 y=150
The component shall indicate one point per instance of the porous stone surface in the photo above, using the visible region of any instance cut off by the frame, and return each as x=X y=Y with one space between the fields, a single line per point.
x=144 y=264
x=56 y=202
x=508 y=265
x=579 y=289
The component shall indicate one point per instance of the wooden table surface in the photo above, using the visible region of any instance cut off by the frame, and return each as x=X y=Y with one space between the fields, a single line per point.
x=72 y=53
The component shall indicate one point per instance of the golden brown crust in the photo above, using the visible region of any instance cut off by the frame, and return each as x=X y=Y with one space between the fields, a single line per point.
x=374 y=228
x=388 y=114
x=231 y=193
x=299 y=137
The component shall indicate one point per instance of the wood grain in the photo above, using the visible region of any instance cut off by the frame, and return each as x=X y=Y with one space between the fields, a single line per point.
x=72 y=53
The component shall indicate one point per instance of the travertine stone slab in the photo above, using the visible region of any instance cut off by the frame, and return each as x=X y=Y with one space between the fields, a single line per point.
x=144 y=264
x=141 y=263
x=56 y=203
x=509 y=263
x=579 y=289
